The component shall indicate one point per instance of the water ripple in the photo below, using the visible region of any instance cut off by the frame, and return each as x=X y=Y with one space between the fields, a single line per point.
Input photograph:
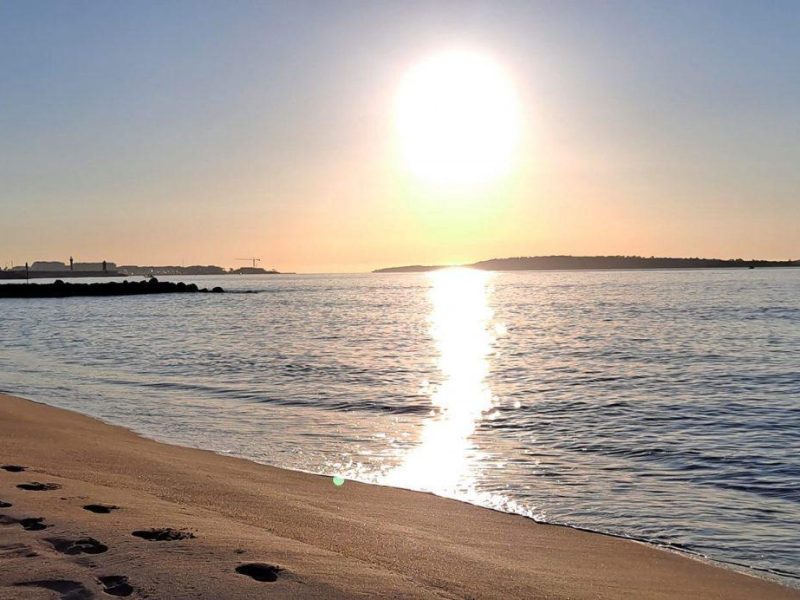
x=662 y=406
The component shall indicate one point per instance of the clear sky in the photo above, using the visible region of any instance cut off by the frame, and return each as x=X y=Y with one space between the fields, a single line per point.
x=202 y=132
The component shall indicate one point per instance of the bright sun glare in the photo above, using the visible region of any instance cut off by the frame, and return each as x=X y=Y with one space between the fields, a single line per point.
x=457 y=119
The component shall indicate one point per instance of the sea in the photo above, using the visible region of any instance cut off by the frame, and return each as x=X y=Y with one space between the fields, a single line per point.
x=657 y=405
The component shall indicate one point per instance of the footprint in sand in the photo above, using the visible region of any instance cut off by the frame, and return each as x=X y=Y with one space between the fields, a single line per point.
x=28 y=523
x=36 y=486
x=69 y=590
x=33 y=523
x=16 y=551
x=102 y=509
x=81 y=546
x=13 y=468
x=116 y=585
x=259 y=571
x=166 y=534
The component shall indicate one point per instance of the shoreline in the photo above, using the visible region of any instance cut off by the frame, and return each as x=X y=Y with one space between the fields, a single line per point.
x=729 y=565
x=391 y=542
x=765 y=574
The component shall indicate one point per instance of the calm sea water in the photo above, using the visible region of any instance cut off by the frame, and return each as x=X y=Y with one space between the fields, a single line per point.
x=659 y=405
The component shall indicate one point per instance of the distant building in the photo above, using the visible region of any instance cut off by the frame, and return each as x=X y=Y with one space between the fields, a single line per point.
x=171 y=270
x=93 y=266
x=54 y=265
x=48 y=265
x=251 y=271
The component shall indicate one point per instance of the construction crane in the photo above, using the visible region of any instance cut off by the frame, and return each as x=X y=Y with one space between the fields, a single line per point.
x=253 y=260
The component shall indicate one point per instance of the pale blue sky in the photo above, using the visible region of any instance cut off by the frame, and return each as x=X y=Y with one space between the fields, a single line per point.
x=161 y=132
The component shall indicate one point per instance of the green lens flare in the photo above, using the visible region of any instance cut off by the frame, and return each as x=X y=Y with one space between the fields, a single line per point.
x=338 y=480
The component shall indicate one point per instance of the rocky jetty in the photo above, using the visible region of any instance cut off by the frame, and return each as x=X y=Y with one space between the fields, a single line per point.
x=61 y=289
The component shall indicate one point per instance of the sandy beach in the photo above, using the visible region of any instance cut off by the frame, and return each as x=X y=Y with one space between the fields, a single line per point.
x=91 y=510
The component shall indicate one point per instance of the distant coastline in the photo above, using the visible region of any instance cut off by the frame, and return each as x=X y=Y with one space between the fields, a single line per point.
x=58 y=270
x=20 y=274
x=195 y=270
x=557 y=263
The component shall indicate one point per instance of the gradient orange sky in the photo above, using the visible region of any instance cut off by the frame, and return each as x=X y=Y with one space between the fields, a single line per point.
x=199 y=133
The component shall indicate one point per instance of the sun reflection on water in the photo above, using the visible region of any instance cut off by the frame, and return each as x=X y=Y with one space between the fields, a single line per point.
x=444 y=462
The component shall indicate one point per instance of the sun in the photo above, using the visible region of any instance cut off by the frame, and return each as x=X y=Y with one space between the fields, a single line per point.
x=457 y=119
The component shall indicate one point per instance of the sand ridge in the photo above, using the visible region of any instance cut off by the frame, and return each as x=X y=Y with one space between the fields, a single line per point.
x=173 y=523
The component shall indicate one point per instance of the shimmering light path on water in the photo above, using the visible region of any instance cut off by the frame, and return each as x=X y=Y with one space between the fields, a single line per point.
x=659 y=405
x=442 y=460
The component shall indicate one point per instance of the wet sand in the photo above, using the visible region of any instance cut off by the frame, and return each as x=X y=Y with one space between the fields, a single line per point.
x=91 y=510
